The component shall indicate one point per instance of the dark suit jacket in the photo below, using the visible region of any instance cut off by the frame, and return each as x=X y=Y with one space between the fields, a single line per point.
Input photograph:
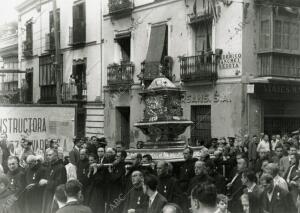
x=74 y=156
x=74 y=207
x=255 y=200
x=235 y=192
x=281 y=202
x=158 y=204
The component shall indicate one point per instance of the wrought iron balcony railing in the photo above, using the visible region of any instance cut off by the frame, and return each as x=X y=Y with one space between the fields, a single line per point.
x=120 y=7
x=120 y=73
x=279 y=65
x=198 y=68
x=72 y=92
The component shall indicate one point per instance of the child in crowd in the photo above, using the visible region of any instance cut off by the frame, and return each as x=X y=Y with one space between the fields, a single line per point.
x=222 y=203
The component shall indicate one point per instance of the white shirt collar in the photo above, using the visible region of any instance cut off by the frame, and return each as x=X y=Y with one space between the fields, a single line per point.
x=71 y=200
x=151 y=199
x=250 y=189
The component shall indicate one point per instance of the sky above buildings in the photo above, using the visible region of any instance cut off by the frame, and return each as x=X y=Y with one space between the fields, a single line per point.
x=7 y=11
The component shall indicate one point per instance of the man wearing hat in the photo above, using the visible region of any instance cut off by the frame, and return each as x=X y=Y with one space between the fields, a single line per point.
x=74 y=153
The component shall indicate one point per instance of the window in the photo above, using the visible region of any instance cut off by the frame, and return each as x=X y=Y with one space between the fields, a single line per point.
x=157 y=51
x=123 y=41
x=201 y=129
x=279 y=30
x=51 y=28
x=79 y=76
x=79 y=23
x=203 y=34
x=47 y=78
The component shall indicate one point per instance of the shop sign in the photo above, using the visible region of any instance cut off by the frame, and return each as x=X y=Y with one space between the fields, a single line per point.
x=206 y=98
x=38 y=124
x=277 y=89
x=230 y=61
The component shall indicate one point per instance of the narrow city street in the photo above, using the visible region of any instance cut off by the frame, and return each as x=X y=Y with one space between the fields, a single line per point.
x=150 y=106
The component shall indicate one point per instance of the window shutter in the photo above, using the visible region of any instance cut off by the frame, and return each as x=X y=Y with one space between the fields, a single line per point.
x=82 y=22
x=79 y=23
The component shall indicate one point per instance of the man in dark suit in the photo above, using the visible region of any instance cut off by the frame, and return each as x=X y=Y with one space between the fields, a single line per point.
x=74 y=153
x=235 y=188
x=167 y=184
x=73 y=204
x=253 y=190
x=156 y=200
x=275 y=199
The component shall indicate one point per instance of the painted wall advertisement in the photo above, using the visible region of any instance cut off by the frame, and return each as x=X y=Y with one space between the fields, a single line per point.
x=230 y=65
x=38 y=124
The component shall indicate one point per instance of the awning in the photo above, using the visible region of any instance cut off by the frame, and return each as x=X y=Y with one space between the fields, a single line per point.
x=12 y=71
x=156 y=43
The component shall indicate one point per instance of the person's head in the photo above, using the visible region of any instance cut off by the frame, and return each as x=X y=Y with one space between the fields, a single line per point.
x=150 y=184
x=137 y=178
x=245 y=202
x=248 y=177
x=263 y=153
x=39 y=159
x=53 y=144
x=119 y=146
x=136 y=159
x=267 y=182
x=101 y=152
x=272 y=169
x=279 y=150
x=171 y=208
x=52 y=155
x=162 y=168
x=292 y=150
x=294 y=159
x=264 y=165
x=188 y=153
x=110 y=152
x=60 y=194
x=261 y=135
x=121 y=156
x=73 y=189
x=12 y=163
x=83 y=154
x=278 y=137
x=222 y=202
x=273 y=137
x=92 y=159
x=60 y=153
x=31 y=161
x=147 y=159
x=4 y=182
x=3 y=137
x=241 y=164
x=254 y=138
x=203 y=196
x=200 y=168
x=266 y=137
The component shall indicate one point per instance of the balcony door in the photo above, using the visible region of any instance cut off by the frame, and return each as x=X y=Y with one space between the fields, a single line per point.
x=203 y=34
x=123 y=125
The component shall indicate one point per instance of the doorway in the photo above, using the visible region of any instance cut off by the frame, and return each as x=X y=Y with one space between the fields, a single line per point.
x=123 y=125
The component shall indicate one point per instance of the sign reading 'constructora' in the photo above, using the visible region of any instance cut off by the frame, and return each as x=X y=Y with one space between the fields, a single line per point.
x=22 y=125
x=39 y=124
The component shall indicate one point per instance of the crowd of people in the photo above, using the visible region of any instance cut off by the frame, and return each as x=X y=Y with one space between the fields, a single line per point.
x=254 y=175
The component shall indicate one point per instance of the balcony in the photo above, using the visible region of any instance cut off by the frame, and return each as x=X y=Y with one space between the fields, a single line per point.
x=152 y=70
x=27 y=48
x=279 y=65
x=198 y=68
x=74 y=93
x=120 y=74
x=120 y=8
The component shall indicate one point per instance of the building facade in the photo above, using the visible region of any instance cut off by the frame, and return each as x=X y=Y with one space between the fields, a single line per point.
x=79 y=29
x=9 y=72
x=236 y=60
